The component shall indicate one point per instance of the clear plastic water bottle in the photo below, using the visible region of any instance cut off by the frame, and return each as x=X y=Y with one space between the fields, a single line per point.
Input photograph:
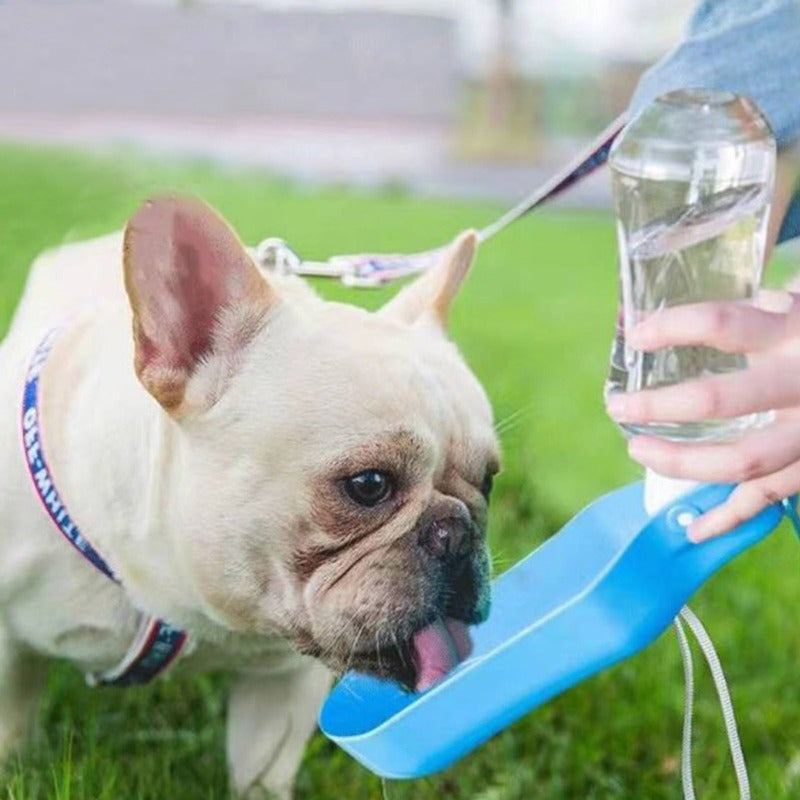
x=692 y=180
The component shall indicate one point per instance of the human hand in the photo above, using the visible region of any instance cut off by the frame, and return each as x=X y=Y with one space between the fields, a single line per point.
x=765 y=463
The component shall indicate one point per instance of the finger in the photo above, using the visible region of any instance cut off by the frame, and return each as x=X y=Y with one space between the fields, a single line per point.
x=745 y=502
x=779 y=301
x=771 y=383
x=758 y=454
x=730 y=327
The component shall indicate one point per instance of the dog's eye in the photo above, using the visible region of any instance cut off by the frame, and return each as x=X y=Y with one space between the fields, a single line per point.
x=487 y=484
x=369 y=488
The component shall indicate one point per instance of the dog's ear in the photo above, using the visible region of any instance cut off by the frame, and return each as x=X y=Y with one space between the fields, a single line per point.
x=430 y=296
x=194 y=291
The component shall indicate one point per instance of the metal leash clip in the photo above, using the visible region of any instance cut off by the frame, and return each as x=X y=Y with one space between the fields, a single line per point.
x=368 y=270
x=274 y=255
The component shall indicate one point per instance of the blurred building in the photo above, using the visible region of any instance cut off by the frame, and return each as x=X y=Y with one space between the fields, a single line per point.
x=224 y=61
x=441 y=94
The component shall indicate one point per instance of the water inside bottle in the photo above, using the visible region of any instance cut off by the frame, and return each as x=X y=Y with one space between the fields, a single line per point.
x=708 y=249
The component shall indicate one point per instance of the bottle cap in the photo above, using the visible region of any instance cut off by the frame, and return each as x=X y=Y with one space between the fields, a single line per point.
x=682 y=133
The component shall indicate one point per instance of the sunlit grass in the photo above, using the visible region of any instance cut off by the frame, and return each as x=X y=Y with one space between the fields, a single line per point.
x=534 y=321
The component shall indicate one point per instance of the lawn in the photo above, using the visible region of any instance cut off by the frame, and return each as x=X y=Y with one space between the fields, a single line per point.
x=535 y=322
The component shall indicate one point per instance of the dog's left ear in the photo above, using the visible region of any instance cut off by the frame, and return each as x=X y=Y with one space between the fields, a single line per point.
x=430 y=296
x=197 y=299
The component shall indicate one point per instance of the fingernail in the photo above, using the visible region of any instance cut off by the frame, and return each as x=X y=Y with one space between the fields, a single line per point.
x=693 y=536
x=635 y=337
x=697 y=532
x=635 y=447
x=616 y=405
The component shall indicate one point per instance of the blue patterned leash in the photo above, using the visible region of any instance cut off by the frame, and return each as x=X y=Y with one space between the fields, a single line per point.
x=378 y=269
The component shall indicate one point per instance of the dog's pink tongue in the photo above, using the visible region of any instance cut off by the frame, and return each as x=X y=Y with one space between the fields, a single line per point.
x=437 y=649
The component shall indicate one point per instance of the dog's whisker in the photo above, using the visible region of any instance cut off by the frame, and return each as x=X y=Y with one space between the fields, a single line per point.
x=383 y=618
x=513 y=418
x=509 y=429
x=501 y=559
x=501 y=424
x=331 y=649
x=398 y=648
x=378 y=651
x=353 y=648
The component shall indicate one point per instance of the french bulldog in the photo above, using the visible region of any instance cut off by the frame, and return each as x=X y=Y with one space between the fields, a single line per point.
x=299 y=485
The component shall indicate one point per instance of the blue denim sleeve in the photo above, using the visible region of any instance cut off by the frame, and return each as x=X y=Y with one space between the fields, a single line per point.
x=751 y=47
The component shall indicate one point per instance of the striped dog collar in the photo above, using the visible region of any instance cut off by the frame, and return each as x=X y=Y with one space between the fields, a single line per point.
x=157 y=643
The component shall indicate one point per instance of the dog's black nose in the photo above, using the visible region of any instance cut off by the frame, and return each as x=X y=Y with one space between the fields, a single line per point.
x=448 y=538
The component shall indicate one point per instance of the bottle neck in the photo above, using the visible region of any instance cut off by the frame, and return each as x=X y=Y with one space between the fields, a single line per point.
x=660 y=490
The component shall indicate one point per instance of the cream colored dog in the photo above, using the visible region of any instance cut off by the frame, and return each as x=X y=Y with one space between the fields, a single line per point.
x=299 y=485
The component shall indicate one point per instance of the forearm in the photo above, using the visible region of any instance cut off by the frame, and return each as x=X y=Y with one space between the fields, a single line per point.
x=752 y=48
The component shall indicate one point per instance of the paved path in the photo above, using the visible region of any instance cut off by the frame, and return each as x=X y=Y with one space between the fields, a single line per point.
x=417 y=156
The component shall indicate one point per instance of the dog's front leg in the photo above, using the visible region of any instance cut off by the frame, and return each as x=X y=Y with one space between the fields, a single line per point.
x=270 y=719
x=21 y=679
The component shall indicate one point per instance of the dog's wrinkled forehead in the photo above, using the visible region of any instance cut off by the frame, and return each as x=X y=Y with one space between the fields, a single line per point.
x=349 y=373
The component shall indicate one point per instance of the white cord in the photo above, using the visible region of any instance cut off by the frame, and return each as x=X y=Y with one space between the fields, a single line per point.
x=707 y=646
x=688 y=708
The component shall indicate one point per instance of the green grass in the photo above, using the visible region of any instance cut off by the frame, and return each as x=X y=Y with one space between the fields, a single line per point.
x=535 y=322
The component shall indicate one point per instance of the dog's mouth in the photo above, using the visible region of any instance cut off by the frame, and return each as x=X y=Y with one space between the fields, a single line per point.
x=418 y=649
x=437 y=649
x=418 y=662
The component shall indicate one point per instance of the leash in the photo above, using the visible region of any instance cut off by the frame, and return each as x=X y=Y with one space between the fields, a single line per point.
x=157 y=643
x=368 y=270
